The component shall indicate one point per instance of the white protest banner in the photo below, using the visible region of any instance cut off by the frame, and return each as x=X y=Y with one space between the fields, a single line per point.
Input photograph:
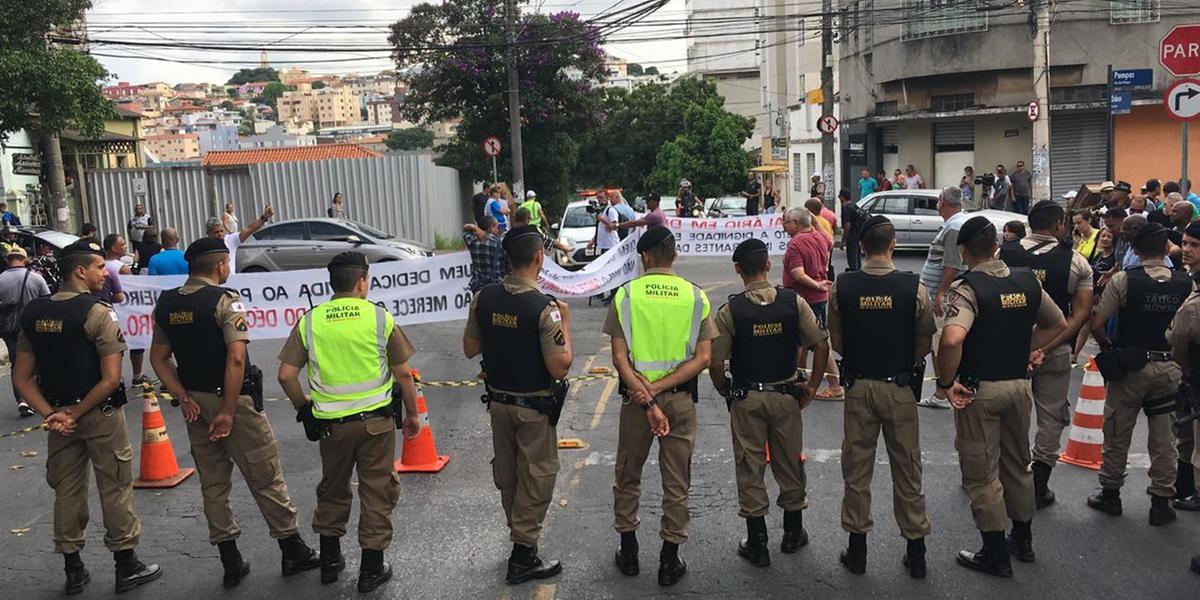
x=719 y=237
x=608 y=271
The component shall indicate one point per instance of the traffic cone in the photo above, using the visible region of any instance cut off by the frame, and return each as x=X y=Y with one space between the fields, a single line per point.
x=419 y=455
x=1085 y=444
x=158 y=468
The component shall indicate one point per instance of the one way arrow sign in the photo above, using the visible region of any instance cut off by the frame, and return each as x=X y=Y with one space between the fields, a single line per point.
x=1182 y=99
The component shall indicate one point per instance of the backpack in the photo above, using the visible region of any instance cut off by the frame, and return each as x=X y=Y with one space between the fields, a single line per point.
x=10 y=314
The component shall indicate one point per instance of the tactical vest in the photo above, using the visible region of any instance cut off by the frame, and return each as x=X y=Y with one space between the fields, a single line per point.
x=997 y=346
x=765 y=338
x=1149 y=307
x=68 y=366
x=878 y=322
x=1052 y=269
x=660 y=315
x=512 y=346
x=197 y=339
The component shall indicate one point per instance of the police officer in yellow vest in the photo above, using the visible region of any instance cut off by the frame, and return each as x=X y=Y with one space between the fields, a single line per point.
x=353 y=351
x=204 y=326
x=68 y=368
x=661 y=340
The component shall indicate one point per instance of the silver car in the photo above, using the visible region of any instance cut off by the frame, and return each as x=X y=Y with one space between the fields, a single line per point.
x=915 y=216
x=311 y=243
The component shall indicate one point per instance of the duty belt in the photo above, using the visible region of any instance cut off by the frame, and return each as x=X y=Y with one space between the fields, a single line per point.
x=1155 y=356
x=383 y=411
x=537 y=403
x=739 y=389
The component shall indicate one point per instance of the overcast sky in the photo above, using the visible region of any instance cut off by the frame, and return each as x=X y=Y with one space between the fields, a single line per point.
x=208 y=20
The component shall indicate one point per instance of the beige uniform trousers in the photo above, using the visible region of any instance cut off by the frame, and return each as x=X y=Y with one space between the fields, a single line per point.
x=674 y=461
x=1123 y=403
x=370 y=448
x=524 y=468
x=872 y=406
x=758 y=419
x=992 y=438
x=102 y=440
x=1050 y=387
x=251 y=446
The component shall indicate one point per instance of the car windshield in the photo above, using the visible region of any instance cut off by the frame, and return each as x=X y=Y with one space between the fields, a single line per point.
x=732 y=203
x=367 y=229
x=577 y=216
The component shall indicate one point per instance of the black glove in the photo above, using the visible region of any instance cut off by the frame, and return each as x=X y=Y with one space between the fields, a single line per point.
x=313 y=429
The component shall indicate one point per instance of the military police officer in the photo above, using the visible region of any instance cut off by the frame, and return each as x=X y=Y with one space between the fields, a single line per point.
x=761 y=331
x=1187 y=467
x=353 y=351
x=68 y=368
x=998 y=324
x=1065 y=275
x=661 y=340
x=881 y=322
x=204 y=326
x=1184 y=334
x=510 y=322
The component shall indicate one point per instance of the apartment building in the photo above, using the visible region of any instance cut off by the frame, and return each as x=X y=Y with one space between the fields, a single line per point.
x=731 y=58
x=326 y=107
x=172 y=147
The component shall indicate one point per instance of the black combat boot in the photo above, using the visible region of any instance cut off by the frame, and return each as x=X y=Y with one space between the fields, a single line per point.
x=77 y=574
x=1043 y=496
x=231 y=559
x=1161 y=512
x=1020 y=541
x=524 y=564
x=297 y=556
x=914 y=558
x=332 y=562
x=670 y=566
x=627 y=554
x=372 y=571
x=1186 y=497
x=1106 y=501
x=794 y=535
x=754 y=547
x=993 y=559
x=131 y=572
x=854 y=558
x=1196 y=564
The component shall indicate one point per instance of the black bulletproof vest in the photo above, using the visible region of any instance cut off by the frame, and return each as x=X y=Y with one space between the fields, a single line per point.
x=878 y=322
x=1052 y=269
x=765 y=338
x=195 y=335
x=68 y=366
x=997 y=346
x=512 y=346
x=1149 y=307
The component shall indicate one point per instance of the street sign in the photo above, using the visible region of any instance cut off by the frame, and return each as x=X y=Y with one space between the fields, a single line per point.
x=1120 y=103
x=1179 y=50
x=1182 y=99
x=827 y=124
x=491 y=147
x=26 y=164
x=1132 y=79
x=1033 y=111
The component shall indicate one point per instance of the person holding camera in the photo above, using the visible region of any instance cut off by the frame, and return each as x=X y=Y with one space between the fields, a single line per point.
x=686 y=203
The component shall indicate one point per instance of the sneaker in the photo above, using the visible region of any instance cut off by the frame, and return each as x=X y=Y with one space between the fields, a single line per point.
x=932 y=401
x=24 y=410
x=140 y=380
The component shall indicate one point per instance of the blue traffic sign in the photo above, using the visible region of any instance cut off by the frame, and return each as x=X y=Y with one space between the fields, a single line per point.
x=1124 y=79
x=1120 y=103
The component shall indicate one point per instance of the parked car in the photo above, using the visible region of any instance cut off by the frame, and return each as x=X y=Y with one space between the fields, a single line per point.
x=311 y=243
x=41 y=241
x=577 y=227
x=914 y=214
x=726 y=206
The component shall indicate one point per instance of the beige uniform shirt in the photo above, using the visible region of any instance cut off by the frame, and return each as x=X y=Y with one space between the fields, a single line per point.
x=229 y=313
x=763 y=293
x=1185 y=329
x=961 y=308
x=1113 y=298
x=1081 y=272
x=612 y=324
x=879 y=267
x=294 y=353
x=101 y=327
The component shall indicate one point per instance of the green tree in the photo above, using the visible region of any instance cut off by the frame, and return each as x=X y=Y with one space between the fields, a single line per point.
x=708 y=152
x=413 y=138
x=634 y=69
x=271 y=93
x=252 y=75
x=233 y=93
x=227 y=105
x=650 y=71
x=318 y=85
x=48 y=87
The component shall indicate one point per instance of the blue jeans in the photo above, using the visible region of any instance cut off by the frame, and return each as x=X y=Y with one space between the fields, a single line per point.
x=1021 y=204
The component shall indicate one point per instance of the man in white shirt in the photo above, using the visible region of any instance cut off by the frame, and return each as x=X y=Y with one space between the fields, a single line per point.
x=215 y=229
x=606 y=239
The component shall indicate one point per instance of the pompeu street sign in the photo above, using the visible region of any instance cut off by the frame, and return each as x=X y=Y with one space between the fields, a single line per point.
x=1132 y=79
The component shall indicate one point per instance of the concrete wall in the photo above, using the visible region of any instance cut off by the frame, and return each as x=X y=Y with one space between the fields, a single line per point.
x=916 y=148
x=1146 y=144
x=992 y=148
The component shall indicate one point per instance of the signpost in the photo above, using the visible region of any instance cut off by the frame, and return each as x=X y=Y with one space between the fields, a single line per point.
x=1033 y=111
x=491 y=147
x=827 y=124
x=1179 y=53
x=26 y=164
x=1120 y=103
x=1132 y=79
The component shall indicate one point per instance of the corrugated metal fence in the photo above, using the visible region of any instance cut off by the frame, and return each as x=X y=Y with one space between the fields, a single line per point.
x=406 y=195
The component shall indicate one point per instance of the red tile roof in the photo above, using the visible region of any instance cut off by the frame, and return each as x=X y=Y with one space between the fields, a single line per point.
x=227 y=158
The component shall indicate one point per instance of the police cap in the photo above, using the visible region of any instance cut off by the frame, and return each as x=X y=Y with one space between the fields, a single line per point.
x=1148 y=230
x=351 y=259
x=975 y=227
x=652 y=237
x=1123 y=186
x=204 y=247
x=519 y=233
x=1044 y=205
x=748 y=248
x=82 y=246
x=1193 y=230
x=873 y=222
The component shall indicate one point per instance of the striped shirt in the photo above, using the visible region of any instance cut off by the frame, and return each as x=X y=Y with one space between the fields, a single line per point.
x=943 y=252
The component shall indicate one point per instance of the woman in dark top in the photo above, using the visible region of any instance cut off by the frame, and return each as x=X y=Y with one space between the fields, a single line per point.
x=768 y=195
x=147 y=249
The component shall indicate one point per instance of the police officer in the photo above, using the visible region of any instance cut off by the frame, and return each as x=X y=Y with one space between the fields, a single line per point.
x=509 y=323
x=761 y=331
x=1065 y=275
x=68 y=368
x=1186 y=466
x=998 y=324
x=661 y=340
x=1145 y=299
x=881 y=322
x=204 y=326
x=1184 y=334
x=353 y=351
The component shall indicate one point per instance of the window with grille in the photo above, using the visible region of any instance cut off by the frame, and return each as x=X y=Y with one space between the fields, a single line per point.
x=887 y=109
x=932 y=18
x=1134 y=11
x=951 y=102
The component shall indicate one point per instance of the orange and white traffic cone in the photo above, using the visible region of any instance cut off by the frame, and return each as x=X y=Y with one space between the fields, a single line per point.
x=419 y=455
x=158 y=467
x=1085 y=444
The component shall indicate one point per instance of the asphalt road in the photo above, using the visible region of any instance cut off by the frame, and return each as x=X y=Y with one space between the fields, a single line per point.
x=451 y=540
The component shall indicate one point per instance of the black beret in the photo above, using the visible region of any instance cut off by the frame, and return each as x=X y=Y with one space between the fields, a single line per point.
x=351 y=259
x=82 y=246
x=1123 y=186
x=1148 y=230
x=873 y=222
x=1045 y=205
x=652 y=237
x=1193 y=230
x=519 y=233
x=975 y=227
x=204 y=247
x=747 y=248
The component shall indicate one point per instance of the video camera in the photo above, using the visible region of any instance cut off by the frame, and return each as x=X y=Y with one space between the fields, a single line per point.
x=986 y=180
x=594 y=206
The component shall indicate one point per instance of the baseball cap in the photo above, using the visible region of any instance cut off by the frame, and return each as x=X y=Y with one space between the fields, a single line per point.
x=530 y=194
x=16 y=250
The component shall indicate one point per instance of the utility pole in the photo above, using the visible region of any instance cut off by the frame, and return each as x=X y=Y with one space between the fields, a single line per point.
x=1041 y=88
x=57 y=211
x=827 y=145
x=514 y=101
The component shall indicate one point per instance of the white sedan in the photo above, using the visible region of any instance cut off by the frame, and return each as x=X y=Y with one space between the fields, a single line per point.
x=914 y=214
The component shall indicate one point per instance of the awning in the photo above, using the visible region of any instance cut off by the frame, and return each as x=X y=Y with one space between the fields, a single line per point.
x=770 y=169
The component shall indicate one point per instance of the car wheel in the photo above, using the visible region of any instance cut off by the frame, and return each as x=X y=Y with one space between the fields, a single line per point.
x=254 y=269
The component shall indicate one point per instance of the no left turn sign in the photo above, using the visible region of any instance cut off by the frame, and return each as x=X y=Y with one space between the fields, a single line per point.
x=827 y=124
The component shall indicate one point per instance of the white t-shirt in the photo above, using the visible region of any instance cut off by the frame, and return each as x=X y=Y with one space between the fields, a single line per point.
x=232 y=241
x=606 y=239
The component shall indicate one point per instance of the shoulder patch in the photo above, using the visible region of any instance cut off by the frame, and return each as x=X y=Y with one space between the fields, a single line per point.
x=238 y=307
x=239 y=324
x=559 y=338
x=555 y=315
x=112 y=314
